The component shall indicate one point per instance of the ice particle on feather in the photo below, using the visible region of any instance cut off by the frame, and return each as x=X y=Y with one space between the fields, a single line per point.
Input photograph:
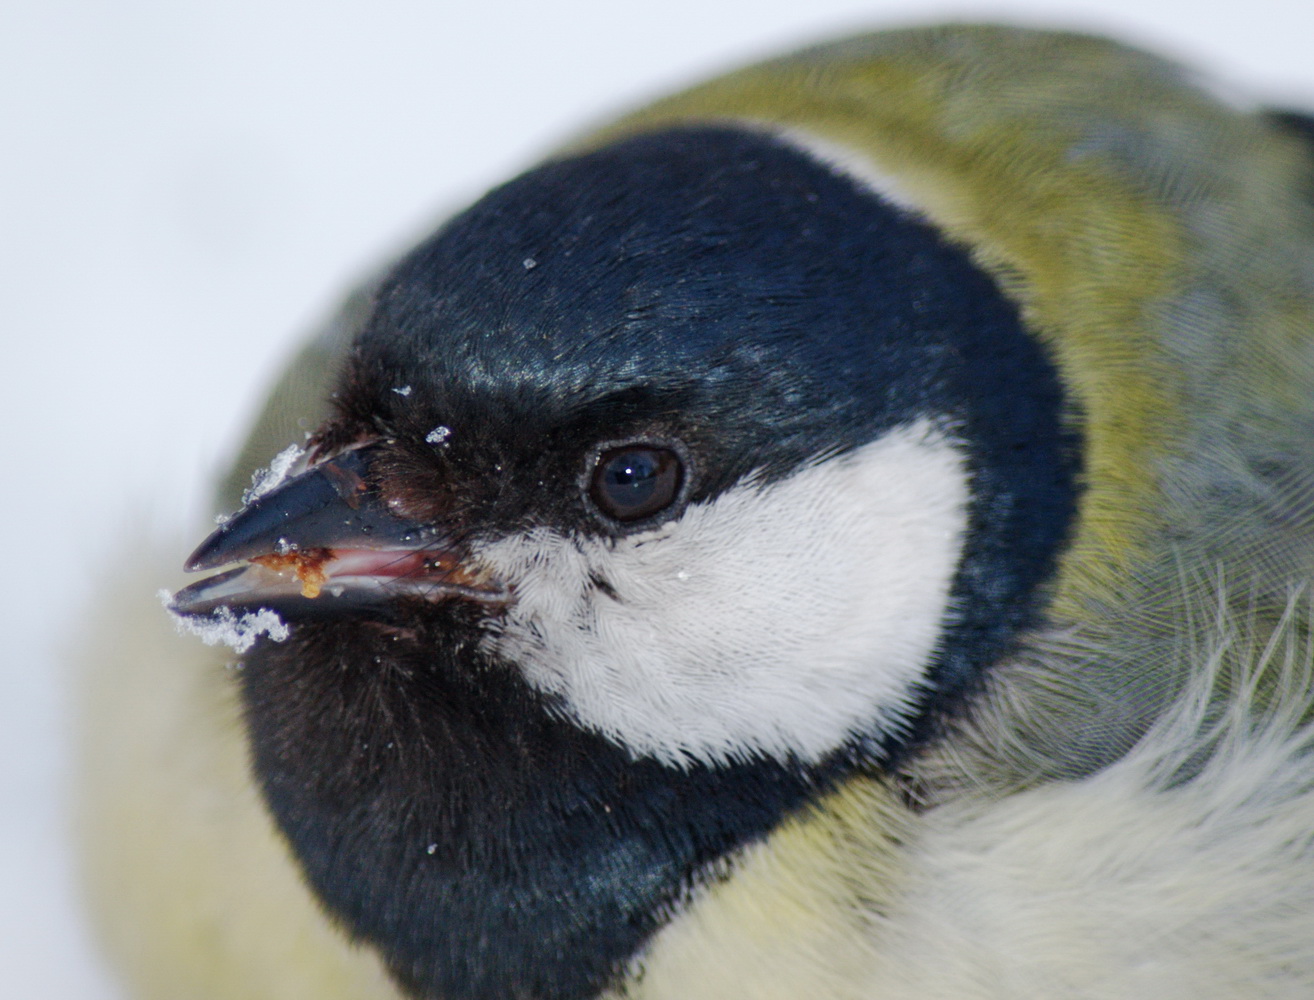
x=438 y=435
x=404 y=390
x=265 y=480
x=223 y=625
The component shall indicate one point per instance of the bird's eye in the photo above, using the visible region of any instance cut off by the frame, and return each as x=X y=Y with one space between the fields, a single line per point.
x=636 y=481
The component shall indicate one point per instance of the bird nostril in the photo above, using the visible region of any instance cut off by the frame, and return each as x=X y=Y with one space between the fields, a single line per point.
x=347 y=482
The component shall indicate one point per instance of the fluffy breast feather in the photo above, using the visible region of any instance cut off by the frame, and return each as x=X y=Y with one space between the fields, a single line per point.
x=1183 y=870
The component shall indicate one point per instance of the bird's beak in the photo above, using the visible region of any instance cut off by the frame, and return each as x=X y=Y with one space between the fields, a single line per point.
x=325 y=541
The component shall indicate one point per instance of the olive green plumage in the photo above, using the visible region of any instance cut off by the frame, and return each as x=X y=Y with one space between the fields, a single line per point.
x=1126 y=807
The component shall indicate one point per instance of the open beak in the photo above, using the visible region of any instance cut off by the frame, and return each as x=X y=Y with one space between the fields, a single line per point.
x=323 y=542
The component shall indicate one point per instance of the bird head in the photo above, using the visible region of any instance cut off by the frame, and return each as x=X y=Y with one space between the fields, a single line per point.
x=671 y=483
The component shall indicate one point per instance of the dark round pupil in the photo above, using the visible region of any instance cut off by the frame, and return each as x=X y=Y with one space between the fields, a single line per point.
x=633 y=483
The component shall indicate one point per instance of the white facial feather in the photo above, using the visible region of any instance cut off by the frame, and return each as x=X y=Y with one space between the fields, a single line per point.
x=776 y=619
x=851 y=163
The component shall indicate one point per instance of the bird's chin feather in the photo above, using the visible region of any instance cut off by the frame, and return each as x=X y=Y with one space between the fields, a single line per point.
x=404 y=763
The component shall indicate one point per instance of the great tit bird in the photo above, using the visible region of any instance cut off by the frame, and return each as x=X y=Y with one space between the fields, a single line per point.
x=843 y=531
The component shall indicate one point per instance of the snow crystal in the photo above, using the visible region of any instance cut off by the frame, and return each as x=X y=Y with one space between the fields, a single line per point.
x=529 y=263
x=438 y=435
x=223 y=625
x=404 y=390
x=265 y=480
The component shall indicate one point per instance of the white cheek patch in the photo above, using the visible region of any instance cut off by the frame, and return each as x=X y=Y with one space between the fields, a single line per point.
x=774 y=620
x=850 y=163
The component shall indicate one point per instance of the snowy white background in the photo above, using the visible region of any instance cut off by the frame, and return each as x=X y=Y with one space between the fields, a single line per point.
x=185 y=186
